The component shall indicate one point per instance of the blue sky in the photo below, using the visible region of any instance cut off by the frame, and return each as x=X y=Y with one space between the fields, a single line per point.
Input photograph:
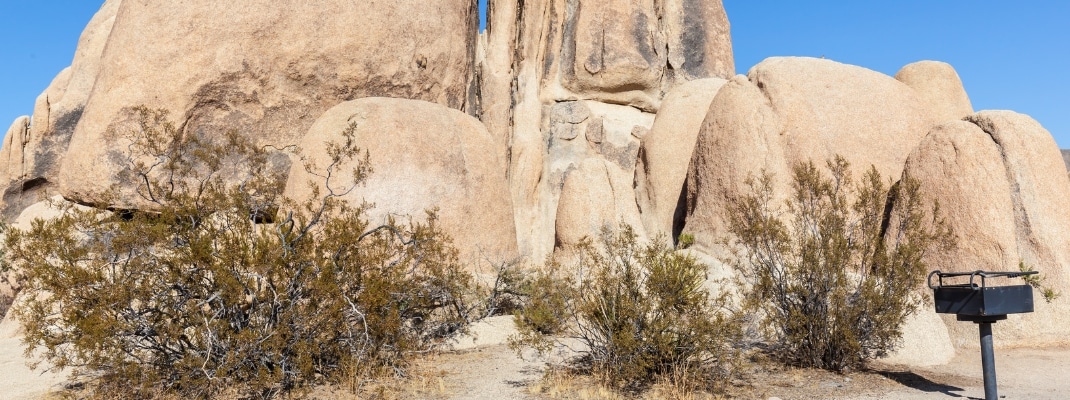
x=1010 y=55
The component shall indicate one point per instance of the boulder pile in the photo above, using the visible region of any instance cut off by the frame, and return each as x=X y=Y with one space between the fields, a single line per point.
x=562 y=117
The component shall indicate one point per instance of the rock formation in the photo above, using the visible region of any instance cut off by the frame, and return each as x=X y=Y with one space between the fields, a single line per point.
x=31 y=162
x=939 y=88
x=618 y=59
x=442 y=159
x=666 y=153
x=565 y=116
x=265 y=68
x=997 y=177
x=791 y=110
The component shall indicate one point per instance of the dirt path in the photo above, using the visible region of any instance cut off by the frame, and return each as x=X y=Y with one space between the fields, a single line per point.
x=491 y=373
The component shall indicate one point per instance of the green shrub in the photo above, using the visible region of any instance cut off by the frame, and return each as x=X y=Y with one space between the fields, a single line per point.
x=1037 y=282
x=640 y=312
x=685 y=240
x=837 y=269
x=223 y=284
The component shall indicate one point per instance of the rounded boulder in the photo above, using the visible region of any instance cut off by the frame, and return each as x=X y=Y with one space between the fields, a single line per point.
x=423 y=156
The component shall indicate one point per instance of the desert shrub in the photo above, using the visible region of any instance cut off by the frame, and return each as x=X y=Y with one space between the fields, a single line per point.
x=1037 y=281
x=640 y=312
x=837 y=269
x=685 y=240
x=220 y=283
x=9 y=279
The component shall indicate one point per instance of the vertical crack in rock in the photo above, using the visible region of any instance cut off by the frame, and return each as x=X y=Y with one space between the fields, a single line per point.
x=1021 y=220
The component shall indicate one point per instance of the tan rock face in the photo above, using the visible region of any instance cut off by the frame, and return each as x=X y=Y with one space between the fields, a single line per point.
x=12 y=155
x=998 y=180
x=791 y=110
x=939 y=88
x=583 y=207
x=739 y=139
x=267 y=68
x=1041 y=196
x=666 y=153
x=615 y=46
x=442 y=158
x=828 y=108
x=960 y=166
x=699 y=39
x=608 y=54
x=56 y=113
x=590 y=170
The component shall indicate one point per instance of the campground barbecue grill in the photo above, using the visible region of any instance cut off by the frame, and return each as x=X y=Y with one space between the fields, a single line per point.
x=975 y=301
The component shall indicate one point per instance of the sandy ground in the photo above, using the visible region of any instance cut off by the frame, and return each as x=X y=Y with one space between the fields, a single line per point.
x=483 y=367
x=487 y=369
x=1021 y=373
x=18 y=381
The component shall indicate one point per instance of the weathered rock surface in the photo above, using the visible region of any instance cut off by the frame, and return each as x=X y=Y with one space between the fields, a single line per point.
x=618 y=51
x=739 y=139
x=31 y=162
x=1040 y=194
x=960 y=166
x=266 y=68
x=666 y=153
x=699 y=39
x=423 y=156
x=925 y=341
x=590 y=169
x=603 y=53
x=583 y=207
x=828 y=108
x=12 y=154
x=998 y=181
x=794 y=110
x=939 y=87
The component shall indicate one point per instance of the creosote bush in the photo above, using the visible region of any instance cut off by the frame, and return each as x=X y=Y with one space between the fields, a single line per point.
x=1037 y=282
x=837 y=268
x=640 y=311
x=220 y=283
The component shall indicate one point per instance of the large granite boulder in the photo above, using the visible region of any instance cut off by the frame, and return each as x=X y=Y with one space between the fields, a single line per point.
x=1039 y=192
x=795 y=110
x=423 y=156
x=827 y=108
x=583 y=207
x=738 y=140
x=666 y=153
x=998 y=179
x=939 y=88
x=267 y=69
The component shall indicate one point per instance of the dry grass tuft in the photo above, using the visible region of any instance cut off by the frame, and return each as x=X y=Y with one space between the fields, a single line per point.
x=561 y=384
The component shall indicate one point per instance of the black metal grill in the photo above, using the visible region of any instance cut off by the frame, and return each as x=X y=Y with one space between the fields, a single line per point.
x=975 y=301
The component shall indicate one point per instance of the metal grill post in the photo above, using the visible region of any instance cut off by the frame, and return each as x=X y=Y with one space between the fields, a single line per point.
x=988 y=360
